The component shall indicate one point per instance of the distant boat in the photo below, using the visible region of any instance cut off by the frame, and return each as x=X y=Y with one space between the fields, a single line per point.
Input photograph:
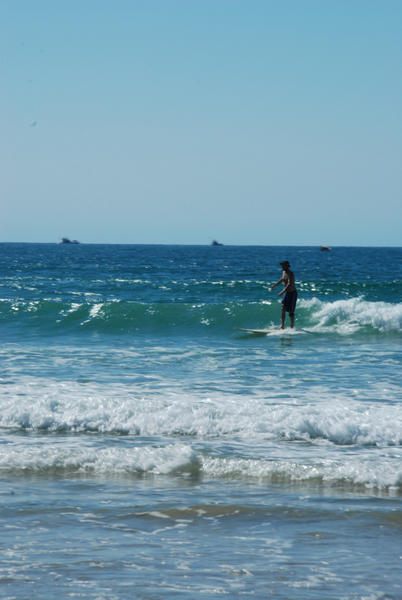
x=215 y=243
x=68 y=241
x=325 y=248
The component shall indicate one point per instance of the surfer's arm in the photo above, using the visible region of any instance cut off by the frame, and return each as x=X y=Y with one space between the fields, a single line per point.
x=284 y=289
x=277 y=283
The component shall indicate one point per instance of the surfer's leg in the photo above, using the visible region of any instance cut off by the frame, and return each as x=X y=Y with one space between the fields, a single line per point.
x=283 y=316
x=292 y=306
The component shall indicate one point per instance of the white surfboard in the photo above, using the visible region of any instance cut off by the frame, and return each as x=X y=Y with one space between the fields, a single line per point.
x=276 y=330
x=257 y=331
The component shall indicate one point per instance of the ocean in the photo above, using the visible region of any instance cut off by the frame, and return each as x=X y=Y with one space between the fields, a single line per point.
x=150 y=450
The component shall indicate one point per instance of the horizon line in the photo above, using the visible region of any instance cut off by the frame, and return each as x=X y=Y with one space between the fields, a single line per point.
x=305 y=245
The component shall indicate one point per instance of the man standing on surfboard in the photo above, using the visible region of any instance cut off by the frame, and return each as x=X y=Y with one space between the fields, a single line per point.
x=290 y=299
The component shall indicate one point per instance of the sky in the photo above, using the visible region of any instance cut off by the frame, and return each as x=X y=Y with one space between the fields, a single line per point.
x=182 y=121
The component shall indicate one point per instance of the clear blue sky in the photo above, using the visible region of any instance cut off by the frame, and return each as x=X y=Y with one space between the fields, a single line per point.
x=180 y=121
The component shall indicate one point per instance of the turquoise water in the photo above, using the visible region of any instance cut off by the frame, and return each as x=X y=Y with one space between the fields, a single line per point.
x=151 y=450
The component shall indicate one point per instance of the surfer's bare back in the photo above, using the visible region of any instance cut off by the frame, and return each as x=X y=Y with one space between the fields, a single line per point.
x=289 y=289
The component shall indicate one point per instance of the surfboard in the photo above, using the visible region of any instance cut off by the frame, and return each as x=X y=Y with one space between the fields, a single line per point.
x=276 y=330
x=257 y=331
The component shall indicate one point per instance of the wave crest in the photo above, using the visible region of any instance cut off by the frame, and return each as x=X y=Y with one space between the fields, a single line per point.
x=341 y=317
x=356 y=314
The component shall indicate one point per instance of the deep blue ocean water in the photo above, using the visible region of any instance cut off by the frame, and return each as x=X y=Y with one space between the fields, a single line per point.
x=150 y=450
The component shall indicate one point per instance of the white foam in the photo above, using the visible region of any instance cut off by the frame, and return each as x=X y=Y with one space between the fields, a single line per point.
x=39 y=457
x=295 y=432
x=348 y=316
x=315 y=416
x=368 y=472
x=95 y=310
x=43 y=455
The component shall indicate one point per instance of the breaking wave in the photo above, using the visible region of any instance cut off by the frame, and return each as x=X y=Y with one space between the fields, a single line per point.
x=342 y=317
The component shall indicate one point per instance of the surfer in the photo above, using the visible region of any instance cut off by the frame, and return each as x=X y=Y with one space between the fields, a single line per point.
x=290 y=299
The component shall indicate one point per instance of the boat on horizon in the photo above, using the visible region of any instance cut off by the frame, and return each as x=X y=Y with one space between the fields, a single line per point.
x=68 y=241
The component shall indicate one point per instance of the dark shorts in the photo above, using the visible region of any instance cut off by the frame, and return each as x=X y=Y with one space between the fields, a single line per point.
x=289 y=302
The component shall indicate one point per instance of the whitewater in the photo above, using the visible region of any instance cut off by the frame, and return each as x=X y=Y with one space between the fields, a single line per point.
x=149 y=449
